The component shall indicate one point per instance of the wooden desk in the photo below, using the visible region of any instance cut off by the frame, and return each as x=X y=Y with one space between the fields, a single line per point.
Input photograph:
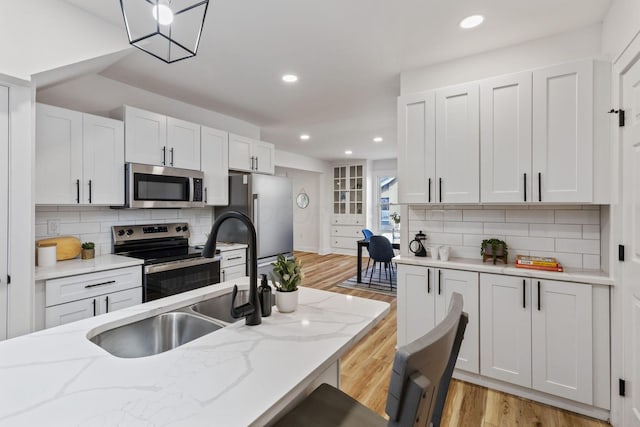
x=365 y=243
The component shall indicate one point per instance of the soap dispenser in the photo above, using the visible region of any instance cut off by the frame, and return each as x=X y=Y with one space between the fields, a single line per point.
x=265 y=296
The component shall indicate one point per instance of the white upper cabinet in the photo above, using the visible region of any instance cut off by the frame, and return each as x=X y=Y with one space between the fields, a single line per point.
x=250 y=155
x=145 y=136
x=183 y=140
x=570 y=132
x=79 y=158
x=505 y=138
x=215 y=165
x=155 y=139
x=417 y=148
x=457 y=144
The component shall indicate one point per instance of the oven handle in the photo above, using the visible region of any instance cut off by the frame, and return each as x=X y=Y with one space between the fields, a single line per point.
x=174 y=265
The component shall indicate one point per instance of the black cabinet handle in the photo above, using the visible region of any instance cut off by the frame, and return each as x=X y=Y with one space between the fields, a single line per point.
x=110 y=282
x=106 y=303
x=440 y=188
x=538 y=295
x=234 y=257
x=429 y=190
x=428 y=280
x=94 y=306
x=89 y=191
x=164 y=156
x=257 y=164
x=439 y=282
x=171 y=151
x=524 y=295
x=525 y=186
x=539 y=186
x=205 y=195
x=77 y=190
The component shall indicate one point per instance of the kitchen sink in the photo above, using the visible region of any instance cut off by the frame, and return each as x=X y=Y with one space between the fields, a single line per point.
x=155 y=335
x=220 y=307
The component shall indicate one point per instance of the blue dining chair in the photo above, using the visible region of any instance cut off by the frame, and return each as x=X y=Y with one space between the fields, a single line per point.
x=367 y=235
x=381 y=251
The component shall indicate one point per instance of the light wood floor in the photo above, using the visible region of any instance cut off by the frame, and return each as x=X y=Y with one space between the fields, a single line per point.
x=366 y=368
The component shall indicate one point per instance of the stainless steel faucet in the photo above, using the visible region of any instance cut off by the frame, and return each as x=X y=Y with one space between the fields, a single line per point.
x=250 y=310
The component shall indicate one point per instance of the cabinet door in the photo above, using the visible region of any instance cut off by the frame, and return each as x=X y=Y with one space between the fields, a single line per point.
x=119 y=300
x=505 y=328
x=264 y=154
x=58 y=156
x=214 y=159
x=70 y=312
x=417 y=148
x=103 y=161
x=563 y=133
x=466 y=284
x=505 y=139
x=183 y=144
x=562 y=335
x=457 y=144
x=233 y=272
x=240 y=153
x=4 y=201
x=145 y=136
x=416 y=302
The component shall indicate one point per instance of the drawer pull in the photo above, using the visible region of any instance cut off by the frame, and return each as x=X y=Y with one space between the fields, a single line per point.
x=234 y=257
x=428 y=280
x=106 y=303
x=110 y=282
x=539 y=295
x=94 y=306
x=524 y=293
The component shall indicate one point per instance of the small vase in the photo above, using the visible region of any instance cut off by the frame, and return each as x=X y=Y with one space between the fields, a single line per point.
x=88 y=253
x=286 y=301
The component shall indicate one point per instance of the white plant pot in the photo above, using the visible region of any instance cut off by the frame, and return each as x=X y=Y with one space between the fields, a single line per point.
x=286 y=301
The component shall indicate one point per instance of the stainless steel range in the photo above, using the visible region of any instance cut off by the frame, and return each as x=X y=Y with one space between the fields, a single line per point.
x=171 y=266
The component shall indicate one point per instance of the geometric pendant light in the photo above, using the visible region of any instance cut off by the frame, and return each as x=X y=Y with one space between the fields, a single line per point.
x=167 y=29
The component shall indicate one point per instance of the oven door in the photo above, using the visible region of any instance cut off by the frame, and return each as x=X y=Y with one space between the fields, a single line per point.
x=163 y=280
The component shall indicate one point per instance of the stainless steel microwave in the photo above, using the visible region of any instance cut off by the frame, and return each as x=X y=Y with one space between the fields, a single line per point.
x=148 y=186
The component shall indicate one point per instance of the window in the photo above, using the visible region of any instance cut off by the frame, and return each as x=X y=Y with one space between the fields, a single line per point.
x=387 y=189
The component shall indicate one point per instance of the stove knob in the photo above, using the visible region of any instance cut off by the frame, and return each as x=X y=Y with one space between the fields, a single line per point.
x=121 y=233
x=178 y=229
x=129 y=232
x=185 y=228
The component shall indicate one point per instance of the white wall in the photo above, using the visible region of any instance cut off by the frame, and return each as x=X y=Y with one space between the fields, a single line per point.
x=565 y=47
x=99 y=95
x=286 y=159
x=39 y=35
x=307 y=225
x=620 y=26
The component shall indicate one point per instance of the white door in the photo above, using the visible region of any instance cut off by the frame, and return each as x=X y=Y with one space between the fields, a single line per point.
x=563 y=133
x=4 y=206
x=631 y=239
x=562 y=339
x=417 y=148
x=240 y=153
x=58 y=156
x=214 y=160
x=264 y=154
x=505 y=328
x=183 y=144
x=103 y=161
x=466 y=284
x=145 y=137
x=416 y=302
x=458 y=144
x=119 y=300
x=62 y=314
x=505 y=138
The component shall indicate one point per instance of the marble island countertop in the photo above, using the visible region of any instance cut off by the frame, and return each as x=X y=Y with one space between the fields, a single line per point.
x=593 y=277
x=236 y=376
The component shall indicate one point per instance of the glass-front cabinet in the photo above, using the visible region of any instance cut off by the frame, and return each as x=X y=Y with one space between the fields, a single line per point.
x=349 y=206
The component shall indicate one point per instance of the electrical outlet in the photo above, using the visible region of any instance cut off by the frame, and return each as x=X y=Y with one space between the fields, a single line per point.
x=53 y=227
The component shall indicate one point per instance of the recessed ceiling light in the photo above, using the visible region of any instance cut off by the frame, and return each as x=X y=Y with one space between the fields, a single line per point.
x=304 y=137
x=290 y=78
x=471 y=21
x=377 y=139
x=348 y=152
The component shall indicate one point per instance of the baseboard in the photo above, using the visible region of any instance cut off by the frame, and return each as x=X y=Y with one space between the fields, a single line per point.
x=313 y=249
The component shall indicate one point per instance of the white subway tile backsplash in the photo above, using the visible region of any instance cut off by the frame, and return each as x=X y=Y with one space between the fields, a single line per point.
x=578 y=246
x=531 y=243
x=427 y=226
x=171 y=214
x=556 y=230
x=416 y=213
x=591 y=261
x=475 y=240
x=99 y=215
x=79 y=228
x=507 y=229
x=591 y=232
x=493 y=215
x=578 y=217
x=463 y=227
x=529 y=216
x=445 y=239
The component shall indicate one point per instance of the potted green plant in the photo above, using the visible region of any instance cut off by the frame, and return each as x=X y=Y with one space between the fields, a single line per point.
x=88 y=250
x=286 y=276
x=494 y=249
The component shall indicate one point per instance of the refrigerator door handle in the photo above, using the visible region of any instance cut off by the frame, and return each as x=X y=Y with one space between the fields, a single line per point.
x=255 y=214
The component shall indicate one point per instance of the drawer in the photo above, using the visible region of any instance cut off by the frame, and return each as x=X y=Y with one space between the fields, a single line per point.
x=347 y=231
x=357 y=220
x=345 y=242
x=235 y=257
x=74 y=288
x=233 y=272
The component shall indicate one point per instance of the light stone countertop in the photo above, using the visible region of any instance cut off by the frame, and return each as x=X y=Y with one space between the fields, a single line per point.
x=75 y=266
x=225 y=247
x=236 y=376
x=593 y=277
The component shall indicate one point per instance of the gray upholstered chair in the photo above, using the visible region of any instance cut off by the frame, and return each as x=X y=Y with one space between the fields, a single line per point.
x=420 y=379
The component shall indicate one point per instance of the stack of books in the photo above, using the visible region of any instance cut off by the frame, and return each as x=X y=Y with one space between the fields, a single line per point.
x=538 y=263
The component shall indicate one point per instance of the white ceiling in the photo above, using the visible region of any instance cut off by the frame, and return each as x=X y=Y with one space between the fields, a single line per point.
x=348 y=55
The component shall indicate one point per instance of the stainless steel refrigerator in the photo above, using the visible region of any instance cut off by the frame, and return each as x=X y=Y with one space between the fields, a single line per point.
x=268 y=201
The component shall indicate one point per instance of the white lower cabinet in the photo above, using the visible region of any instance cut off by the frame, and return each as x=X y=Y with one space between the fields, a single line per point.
x=423 y=299
x=86 y=295
x=541 y=334
x=233 y=264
